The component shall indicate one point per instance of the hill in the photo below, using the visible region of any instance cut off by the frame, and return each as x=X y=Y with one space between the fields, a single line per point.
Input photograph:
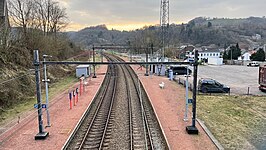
x=98 y=35
x=201 y=31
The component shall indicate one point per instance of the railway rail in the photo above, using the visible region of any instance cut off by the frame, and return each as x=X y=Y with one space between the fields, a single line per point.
x=120 y=116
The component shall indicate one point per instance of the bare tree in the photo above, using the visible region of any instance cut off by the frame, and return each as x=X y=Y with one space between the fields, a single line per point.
x=58 y=18
x=21 y=13
x=45 y=15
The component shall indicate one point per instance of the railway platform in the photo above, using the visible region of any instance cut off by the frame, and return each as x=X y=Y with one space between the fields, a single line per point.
x=168 y=102
x=169 y=105
x=63 y=120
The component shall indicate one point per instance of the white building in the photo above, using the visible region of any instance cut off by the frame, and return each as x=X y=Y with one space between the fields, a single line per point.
x=208 y=55
x=245 y=56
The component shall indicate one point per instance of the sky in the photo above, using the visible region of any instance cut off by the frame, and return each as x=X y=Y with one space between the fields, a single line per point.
x=133 y=14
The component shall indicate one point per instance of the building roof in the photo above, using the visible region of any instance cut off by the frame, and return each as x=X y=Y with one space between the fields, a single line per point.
x=208 y=50
x=83 y=66
x=188 y=48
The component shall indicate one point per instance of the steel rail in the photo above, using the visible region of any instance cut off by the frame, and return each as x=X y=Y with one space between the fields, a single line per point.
x=94 y=116
x=145 y=121
x=142 y=107
x=129 y=105
x=110 y=109
x=107 y=79
x=109 y=114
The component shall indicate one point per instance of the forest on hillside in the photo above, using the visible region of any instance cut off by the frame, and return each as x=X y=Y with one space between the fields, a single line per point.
x=199 y=31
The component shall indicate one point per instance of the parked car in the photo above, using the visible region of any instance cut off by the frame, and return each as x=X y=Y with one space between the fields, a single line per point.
x=212 y=86
x=178 y=70
x=253 y=64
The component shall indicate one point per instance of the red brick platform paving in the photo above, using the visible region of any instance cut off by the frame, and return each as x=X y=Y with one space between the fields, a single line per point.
x=169 y=104
x=63 y=120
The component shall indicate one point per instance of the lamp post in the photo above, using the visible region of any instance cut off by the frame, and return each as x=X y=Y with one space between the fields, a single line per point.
x=146 y=65
x=42 y=134
x=193 y=129
x=46 y=89
x=151 y=57
x=94 y=75
x=130 y=53
x=101 y=55
x=147 y=55
x=231 y=56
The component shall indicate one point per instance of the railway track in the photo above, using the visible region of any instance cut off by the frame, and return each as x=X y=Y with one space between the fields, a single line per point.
x=119 y=117
x=154 y=137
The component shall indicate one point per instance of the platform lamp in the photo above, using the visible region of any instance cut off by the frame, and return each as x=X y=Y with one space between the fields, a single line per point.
x=147 y=56
x=45 y=80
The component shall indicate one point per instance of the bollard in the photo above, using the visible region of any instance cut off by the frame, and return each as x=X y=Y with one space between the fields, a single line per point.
x=74 y=99
x=70 y=100
x=77 y=93
x=84 y=87
x=80 y=86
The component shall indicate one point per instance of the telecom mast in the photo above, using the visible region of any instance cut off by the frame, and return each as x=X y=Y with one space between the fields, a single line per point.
x=164 y=23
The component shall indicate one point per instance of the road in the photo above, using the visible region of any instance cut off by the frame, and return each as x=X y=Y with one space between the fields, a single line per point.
x=238 y=78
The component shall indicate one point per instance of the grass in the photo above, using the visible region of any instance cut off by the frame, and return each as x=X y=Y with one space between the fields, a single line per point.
x=13 y=112
x=238 y=122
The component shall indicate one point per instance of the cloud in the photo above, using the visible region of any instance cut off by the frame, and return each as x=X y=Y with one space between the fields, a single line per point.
x=92 y=12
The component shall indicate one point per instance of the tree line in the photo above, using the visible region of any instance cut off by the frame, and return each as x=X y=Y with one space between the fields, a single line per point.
x=35 y=24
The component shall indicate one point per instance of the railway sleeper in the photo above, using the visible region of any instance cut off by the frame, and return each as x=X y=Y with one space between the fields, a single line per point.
x=95 y=135
x=93 y=139
x=91 y=146
x=97 y=129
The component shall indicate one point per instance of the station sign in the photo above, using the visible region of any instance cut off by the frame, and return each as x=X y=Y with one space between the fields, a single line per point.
x=36 y=106
x=190 y=101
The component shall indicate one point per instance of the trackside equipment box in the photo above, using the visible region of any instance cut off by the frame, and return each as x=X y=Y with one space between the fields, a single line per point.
x=83 y=70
